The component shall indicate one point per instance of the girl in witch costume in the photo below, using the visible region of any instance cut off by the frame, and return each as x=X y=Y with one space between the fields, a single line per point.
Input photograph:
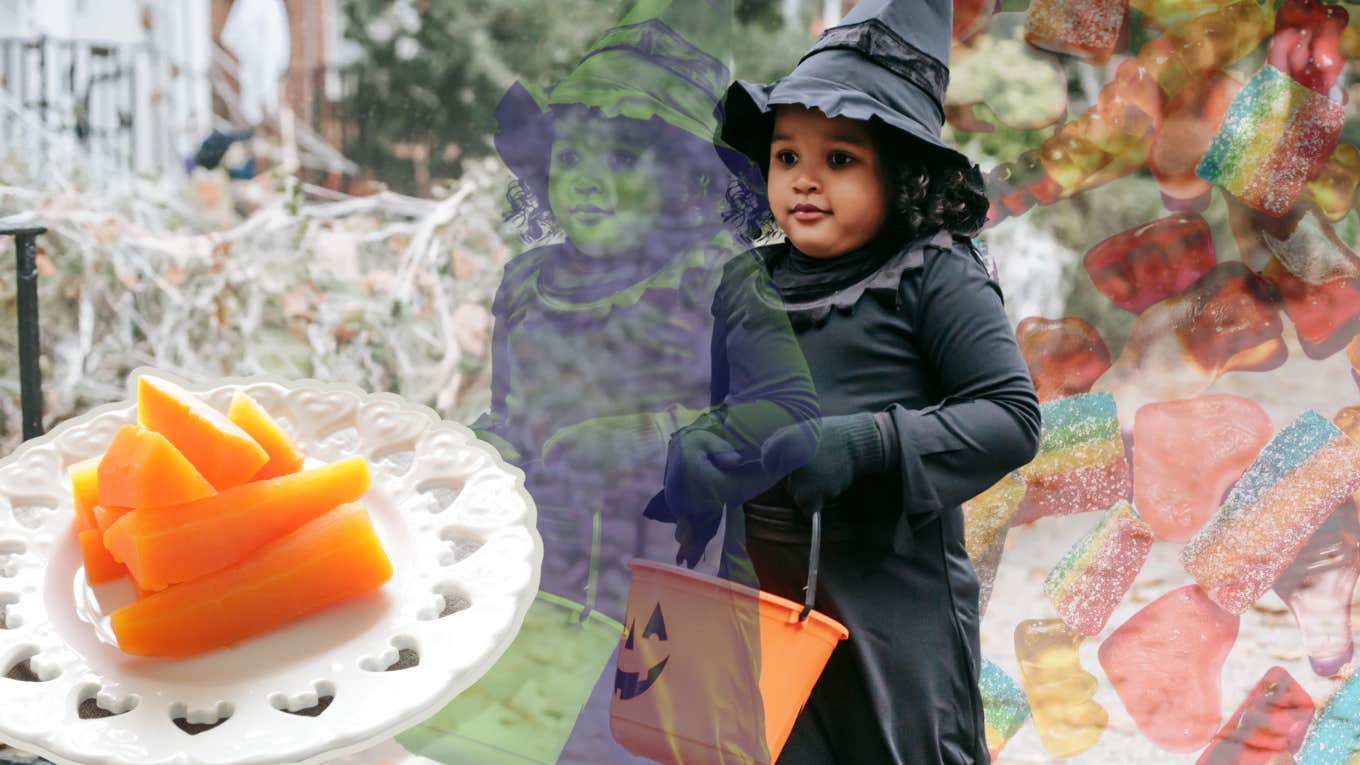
x=925 y=399
x=605 y=340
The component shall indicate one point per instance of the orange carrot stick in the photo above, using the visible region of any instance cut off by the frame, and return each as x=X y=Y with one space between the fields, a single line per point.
x=284 y=457
x=100 y=567
x=85 y=492
x=330 y=559
x=226 y=455
x=143 y=469
x=167 y=545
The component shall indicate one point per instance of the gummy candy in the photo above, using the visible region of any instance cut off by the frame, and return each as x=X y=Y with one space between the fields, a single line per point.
x=986 y=520
x=1003 y=705
x=1332 y=192
x=1081 y=465
x=1065 y=356
x=1087 y=29
x=1299 y=478
x=1094 y=575
x=1276 y=137
x=1228 y=320
x=1148 y=263
x=971 y=17
x=1325 y=315
x=1165 y=663
x=1307 y=43
x=1174 y=14
x=1272 y=719
x=1307 y=246
x=1060 y=692
x=1334 y=736
x=1224 y=432
x=1317 y=586
x=1190 y=120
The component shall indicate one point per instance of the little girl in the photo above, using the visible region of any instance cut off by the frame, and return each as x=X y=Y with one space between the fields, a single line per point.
x=924 y=397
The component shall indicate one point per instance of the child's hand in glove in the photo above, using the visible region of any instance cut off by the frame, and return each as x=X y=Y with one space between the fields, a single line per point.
x=850 y=448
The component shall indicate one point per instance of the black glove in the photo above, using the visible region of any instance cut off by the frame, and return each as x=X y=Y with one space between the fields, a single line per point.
x=850 y=448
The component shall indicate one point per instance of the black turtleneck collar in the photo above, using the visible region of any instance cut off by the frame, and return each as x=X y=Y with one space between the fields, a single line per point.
x=801 y=277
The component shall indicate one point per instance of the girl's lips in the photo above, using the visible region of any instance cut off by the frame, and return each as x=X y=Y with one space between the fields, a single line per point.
x=808 y=216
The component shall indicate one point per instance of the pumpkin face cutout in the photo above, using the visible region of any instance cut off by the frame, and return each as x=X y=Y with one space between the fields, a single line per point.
x=644 y=652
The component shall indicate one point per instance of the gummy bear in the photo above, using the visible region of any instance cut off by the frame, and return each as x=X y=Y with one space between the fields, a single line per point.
x=1151 y=262
x=1003 y=705
x=1224 y=432
x=1334 y=736
x=1081 y=465
x=1060 y=692
x=1307 y=470
x=1272 y=719
x=1276 y=137
x=1088 y=29
x=1165 y=663
x=1307 y=43
x=1065 y=356
x=1317 y=586
x=1191 y=119
x=1228 y=320
x=1094 y=575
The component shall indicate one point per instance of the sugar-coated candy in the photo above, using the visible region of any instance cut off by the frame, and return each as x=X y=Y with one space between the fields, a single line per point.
x=1088 y=29
x=1334 y=736
x=1298 y=479
x=1166 y=662
x=1068 y=719
x=1081 y=465
x=1276 y=137
x=1269 y=722
x=1151 y=262
x=1003 y=705
x=1224 y=432
x=1317 y=586
x=1094 y=575
x=1065 y=356
x=986 y=520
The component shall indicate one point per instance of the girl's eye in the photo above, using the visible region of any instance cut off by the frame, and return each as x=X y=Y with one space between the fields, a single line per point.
x=622 y=160
x=567 y=158
x=840 y=159
x=785 y=157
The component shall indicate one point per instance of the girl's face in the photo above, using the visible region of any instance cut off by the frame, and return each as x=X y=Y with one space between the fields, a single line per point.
x=603 y=184
x=828 y=188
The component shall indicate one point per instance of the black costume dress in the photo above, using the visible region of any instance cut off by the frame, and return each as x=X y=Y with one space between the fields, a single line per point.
x=924 y=336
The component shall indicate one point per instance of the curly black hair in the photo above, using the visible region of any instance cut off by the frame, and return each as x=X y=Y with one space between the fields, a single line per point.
x=690 y=164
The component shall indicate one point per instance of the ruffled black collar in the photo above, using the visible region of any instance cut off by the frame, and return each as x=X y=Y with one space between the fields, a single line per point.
x=801 y=277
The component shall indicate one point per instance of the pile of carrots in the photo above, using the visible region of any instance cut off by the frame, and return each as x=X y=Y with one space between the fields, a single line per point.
x=222 y=533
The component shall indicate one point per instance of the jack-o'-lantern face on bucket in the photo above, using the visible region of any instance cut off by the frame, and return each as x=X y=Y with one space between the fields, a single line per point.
x=642 y=657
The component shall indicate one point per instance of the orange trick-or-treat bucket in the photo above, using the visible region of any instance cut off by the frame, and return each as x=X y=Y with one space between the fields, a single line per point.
x=712 y=671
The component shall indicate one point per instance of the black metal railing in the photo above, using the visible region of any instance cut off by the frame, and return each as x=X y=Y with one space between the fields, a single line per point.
x=30 y=374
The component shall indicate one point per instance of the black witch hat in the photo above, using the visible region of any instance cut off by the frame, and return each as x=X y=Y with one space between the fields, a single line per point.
x=888 y=59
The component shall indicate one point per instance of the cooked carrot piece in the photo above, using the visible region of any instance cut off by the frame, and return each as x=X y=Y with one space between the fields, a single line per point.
x=143 y=469
x=167 y=545
x=100 y=567
x=85 y=492
x=224 y=453
x=284 y=457
x=330 y=559
x=105 y=516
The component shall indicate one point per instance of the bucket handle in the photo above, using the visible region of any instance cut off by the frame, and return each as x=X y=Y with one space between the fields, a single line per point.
x=814 y=560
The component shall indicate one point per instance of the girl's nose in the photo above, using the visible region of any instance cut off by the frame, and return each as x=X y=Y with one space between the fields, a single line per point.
x=586 y=183
x=805 y=184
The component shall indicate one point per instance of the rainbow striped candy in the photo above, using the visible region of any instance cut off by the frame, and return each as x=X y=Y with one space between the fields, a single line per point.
x=1307 y=470
x=1276 y=136
x=986 y=520
x=1334 y=736
x=1004 y=705
x=1081 y=465
x=1094 y=575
